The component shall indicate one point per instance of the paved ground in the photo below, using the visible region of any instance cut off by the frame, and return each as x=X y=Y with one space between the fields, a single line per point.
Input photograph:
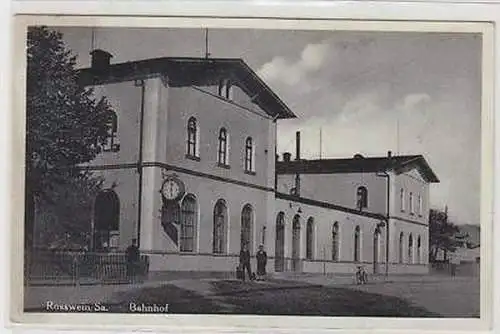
x=449 y=297
x=458 y=297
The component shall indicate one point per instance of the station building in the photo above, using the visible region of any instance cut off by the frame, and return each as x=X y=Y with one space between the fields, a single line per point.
x=191 y=171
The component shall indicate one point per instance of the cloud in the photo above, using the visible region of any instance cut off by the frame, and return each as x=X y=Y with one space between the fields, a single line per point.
x=368 y=125
x=415 y=102
x=313 y=56
x=279 y=69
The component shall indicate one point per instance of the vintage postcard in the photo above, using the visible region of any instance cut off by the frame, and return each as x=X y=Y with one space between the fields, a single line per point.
x=200 y=168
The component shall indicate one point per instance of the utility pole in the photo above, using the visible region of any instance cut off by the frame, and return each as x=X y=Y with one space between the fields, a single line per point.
x=207 y=53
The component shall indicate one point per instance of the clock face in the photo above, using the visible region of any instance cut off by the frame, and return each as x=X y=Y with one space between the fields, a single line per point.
x=172 y=189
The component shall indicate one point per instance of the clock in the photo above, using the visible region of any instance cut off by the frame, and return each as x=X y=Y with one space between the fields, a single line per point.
x=172 y=188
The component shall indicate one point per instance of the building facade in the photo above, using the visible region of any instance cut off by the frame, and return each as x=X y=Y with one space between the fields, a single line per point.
x=191 y=171
x=364 y=196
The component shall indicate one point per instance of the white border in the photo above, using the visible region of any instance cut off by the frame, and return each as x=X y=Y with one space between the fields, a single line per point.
x=338 y=10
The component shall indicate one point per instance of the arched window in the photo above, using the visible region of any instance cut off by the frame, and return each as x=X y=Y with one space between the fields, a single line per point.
x=296 y=241
x=111 y=144
x=246 y=227
x=249 y=152
x=400 y=250
x=192 y=138
x=410 y=249
x=106 y=217
x=188 y=224
x=220 y=223
x=279 y=263
x=335 y=241
x=419 y=249
x=362 y=198
x=357 y=244
x=402 y=199
x=310 y=238
x=411 y=203
x=223 y=145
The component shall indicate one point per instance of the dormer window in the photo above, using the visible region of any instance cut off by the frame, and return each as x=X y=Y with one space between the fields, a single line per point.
x=226 y=89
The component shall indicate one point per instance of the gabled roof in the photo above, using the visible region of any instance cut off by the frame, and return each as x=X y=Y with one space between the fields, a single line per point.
x=359 y=164
x=191 y=72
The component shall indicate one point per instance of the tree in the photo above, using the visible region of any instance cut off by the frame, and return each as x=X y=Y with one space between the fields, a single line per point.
x=66 y=125
x=66 y=216
x=442 y=234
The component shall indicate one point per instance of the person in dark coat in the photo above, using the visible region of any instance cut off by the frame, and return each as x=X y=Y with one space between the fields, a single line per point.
x=133 y=258
x=245 y=262
x=261 y=262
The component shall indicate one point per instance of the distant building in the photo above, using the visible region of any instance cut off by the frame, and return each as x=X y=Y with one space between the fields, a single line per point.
x=350 y=201
x=190 y=170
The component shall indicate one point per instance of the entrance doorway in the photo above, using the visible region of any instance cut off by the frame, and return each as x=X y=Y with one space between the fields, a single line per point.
x=279 y=258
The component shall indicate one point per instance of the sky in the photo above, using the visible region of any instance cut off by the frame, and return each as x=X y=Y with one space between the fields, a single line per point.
x=360 y=92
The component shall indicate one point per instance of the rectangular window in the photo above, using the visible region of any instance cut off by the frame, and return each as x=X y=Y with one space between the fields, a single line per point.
x=420 y=205
x=411 y=203
x=402 y=199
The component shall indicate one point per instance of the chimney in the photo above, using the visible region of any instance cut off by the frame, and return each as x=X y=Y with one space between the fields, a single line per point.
x=389 y=154
x=287 y=156
x=100 y=60
x=297 y=145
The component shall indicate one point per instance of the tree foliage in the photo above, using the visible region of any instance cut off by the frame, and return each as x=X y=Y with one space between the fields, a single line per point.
x=67 y=215
x=66 y=125
x=442 y=234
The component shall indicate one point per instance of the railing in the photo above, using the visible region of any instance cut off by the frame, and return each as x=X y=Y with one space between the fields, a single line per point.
x=44 y=266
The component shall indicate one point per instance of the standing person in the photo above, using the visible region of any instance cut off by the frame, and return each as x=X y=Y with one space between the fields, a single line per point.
x=261 y=262
x=245 y=262
x=133 y=257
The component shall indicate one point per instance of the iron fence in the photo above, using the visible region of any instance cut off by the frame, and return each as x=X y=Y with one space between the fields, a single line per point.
x=43 y=266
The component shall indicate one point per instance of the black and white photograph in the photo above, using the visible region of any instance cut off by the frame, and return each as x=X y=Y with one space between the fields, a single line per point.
x=253 y=171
